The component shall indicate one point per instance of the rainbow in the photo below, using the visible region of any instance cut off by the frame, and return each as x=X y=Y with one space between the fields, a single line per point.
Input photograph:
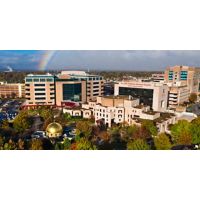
x=45 y=59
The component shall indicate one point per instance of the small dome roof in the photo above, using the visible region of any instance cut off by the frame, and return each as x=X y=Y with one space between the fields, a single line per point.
x=54 y=128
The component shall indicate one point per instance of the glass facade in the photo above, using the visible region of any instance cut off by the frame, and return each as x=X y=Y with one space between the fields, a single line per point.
x=183 y=75
x=72 y=92
x=145 y=95
x=170 y=75
x=39 y=79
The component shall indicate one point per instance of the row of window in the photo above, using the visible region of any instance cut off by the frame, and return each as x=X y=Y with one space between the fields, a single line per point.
x=39 y=84
x=39 y=80
x=40 y=94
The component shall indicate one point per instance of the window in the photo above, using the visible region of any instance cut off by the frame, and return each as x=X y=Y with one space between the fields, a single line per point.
x=170 y=76
x=96 y=86
x=29 y=80
x=145 y=95
x=51 y=84
x=40 y=98
x=40 y=94
x=27 y=89
x=42 y=80
x=49 y=79
x=36 y=79
x=39 y=89
x=52 y=93
x=39 y=85
x=72 y=92
x=96 y=82
x=27 y=85
x=183 y=75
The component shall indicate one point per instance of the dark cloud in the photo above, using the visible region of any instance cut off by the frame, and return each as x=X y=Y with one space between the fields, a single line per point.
x=102 y=60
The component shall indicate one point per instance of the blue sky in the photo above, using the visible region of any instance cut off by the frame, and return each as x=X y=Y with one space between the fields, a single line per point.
x=101 y=60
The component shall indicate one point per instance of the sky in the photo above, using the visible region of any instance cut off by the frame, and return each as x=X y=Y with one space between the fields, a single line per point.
x=149 y=60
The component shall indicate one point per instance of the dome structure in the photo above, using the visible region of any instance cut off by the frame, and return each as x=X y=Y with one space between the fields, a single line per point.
x=54 y=130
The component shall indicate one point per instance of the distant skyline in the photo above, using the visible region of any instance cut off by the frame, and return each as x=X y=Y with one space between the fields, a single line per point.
x=140 y=60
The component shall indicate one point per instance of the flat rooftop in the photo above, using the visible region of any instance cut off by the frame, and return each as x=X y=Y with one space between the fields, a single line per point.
x=125 y=97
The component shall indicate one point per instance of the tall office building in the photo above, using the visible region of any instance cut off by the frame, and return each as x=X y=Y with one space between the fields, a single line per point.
x=12 y=90
x=94 y=83
x=184 y=75
x=152 y=94
x=40 y=89
x=69 y=89
x=52 y=90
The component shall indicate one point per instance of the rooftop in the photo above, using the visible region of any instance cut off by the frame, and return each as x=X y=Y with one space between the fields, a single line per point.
x=125 y=97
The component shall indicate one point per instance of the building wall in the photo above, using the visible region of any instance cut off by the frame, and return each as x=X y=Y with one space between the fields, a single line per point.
x=178 y=95
x=94 y=83
x=59 y=90
x=39 y=90
x=16 y=90
x=186 y=75
x=160 y=92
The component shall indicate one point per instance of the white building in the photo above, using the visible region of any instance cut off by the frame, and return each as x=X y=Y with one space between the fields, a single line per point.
x=152 y=94
x=121 y=109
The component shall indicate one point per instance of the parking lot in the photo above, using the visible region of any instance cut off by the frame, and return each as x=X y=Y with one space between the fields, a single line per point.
x=9 y=108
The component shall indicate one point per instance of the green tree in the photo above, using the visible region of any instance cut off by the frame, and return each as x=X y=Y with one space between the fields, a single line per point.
x=10 y=145
x=195 y=130
x=46 y=113
x=84 y=127
x=137 y=144
x=1 y=142
x=193 y=97
x=5 y=124
x=149 y=126
x=22 y=122
x=36 y=144
x=181 y=133
x=162 y=142
x=66 y=144
x=84 y=144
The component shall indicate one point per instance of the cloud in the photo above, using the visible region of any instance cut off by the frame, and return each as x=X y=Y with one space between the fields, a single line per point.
x=102 y=60
x=22 y=59
x=125 y=60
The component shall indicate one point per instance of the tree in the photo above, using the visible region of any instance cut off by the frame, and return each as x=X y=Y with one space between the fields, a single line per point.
x=1 y=142
x=66 y=144
x=21 y=144
x=22 y=122
x=5 y=124
x=195 y=130
x=13 y=95
x=36 y=144
x=84 y=127
x=137 y=144
x=193 y=97
x=148 y=125
x=10 y=145
x=181 y=133
x=84 y=144
x=162 y=142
